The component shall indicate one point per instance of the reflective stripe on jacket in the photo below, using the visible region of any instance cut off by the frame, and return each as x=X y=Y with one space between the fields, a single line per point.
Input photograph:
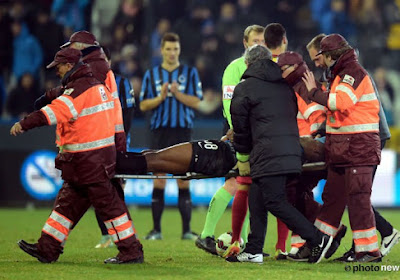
x=310 y=116
x=84 y=123
x=112 y=85
x=85 y=128
x=352 y=124
x=352 y=102
x=120 y=137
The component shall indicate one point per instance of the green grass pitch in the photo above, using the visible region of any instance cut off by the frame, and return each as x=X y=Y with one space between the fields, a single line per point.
x=170 y=258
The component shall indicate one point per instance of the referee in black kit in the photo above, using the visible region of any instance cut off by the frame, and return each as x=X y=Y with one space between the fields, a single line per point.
x=171 y=91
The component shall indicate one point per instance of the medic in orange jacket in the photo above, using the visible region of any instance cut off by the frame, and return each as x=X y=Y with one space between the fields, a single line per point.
x=93 y=55
x=311 y=115
x=352 y=145
x=85 y=119
x=353 y=110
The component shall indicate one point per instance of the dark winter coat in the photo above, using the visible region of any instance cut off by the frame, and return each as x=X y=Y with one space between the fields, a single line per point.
x=264 y=110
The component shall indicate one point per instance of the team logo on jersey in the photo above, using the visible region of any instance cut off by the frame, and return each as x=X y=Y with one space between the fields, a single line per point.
x=68 y=91
x=348 y=79
x=228 y=92
x=130 y=101
x=182 y=79
x=103 y=94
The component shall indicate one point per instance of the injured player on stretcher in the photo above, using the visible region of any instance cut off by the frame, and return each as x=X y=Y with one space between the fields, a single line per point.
x=213 y=158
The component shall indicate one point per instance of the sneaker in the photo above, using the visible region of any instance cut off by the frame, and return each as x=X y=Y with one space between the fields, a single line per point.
x=246 y=257
x=190 y=235
x=279 y=255
x=302 y=255
x=32 y=250
x=153 y=235
x=368 y=258
x=319 y=251
x=116 y=260
x=105 y=242
x=233 y=250
x=349 y=256
x=336 y=241
x=389 y=241
x=207 y=244
x=293 y=250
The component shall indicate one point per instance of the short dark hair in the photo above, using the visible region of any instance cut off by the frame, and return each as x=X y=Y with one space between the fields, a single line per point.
x=316 y=42
x=169 y=37
x=273 y=35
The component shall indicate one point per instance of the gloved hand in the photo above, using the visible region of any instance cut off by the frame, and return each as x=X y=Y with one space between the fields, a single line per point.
x=244 y=168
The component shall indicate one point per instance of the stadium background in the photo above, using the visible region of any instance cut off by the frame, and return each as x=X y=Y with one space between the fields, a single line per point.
x=211 y=36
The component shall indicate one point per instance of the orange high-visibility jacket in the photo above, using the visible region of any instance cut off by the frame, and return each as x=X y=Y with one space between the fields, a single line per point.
x=85 y=119
x=120 y=137
x=311 y=115
x=95 y=57
x=86 y=122
x=352 y=102
x=352 y=125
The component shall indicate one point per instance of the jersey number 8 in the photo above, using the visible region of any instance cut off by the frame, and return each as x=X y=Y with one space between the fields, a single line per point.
x=210 y=145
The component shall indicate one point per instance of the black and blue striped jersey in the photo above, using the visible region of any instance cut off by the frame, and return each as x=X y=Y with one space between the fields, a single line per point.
x=171 y=113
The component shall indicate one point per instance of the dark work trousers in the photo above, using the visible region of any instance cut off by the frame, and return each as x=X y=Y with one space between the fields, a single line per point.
x=382 y=225
x=73 y=201
x=117 y=183
x=335 y=200
x=299 y=191
x=268 y=194
x=349 y=186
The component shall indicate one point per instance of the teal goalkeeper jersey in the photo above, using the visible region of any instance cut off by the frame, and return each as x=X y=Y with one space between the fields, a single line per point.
x=232 y=76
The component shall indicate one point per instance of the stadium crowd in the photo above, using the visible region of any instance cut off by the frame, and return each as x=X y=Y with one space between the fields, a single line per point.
x=210 y=32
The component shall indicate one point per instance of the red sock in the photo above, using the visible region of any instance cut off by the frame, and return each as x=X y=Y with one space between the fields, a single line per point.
x=239 y=211
x=283 y=233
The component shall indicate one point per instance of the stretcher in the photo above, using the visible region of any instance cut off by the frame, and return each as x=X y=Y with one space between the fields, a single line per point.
x=307 y=167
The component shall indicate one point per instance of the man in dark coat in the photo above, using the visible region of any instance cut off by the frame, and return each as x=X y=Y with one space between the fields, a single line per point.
x=266 y=138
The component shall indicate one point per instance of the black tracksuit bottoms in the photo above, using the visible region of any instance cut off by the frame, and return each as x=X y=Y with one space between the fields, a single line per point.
x=268 y=194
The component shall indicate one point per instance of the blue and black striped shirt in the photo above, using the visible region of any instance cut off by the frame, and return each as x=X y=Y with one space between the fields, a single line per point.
x=171 y=112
